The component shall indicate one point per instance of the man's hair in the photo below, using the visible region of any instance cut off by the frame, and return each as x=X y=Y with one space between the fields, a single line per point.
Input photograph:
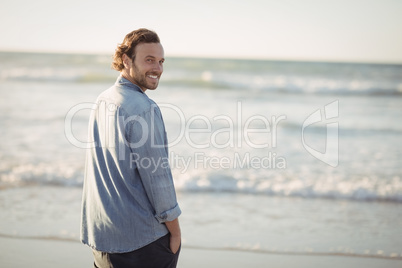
x=131 y=40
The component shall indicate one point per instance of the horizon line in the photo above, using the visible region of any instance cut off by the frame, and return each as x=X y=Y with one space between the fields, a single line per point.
x=279 y=59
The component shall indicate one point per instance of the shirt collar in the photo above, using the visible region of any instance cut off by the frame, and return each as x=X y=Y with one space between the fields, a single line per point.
x=121 y=81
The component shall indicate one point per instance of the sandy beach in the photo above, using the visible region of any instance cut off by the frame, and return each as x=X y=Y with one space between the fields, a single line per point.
x=39 y=227
x=18 y=253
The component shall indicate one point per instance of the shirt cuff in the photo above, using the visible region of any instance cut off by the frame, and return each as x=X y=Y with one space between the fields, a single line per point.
x=169 y=215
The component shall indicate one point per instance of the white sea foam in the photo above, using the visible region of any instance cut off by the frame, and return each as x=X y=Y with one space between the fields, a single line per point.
x=241 y=181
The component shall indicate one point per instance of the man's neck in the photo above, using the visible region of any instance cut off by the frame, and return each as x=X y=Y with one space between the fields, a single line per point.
x=129 y=78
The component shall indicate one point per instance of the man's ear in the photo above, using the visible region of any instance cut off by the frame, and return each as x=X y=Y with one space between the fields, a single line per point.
x=126 y=61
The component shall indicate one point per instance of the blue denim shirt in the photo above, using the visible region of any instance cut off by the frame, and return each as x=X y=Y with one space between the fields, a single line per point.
x=128 y=190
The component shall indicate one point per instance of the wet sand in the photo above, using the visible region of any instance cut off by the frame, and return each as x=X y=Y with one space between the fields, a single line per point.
x=22 y=252
x=39 y=227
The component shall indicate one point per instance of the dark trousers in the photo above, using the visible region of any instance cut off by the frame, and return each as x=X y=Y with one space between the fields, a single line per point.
x=155 y=255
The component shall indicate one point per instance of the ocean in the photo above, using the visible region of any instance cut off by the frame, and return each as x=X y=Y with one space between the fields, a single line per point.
x=267 y=156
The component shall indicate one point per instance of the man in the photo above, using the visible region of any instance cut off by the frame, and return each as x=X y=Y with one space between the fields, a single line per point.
x=129 y=210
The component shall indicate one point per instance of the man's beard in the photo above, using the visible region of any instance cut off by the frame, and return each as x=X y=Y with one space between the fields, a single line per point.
x=141 y=80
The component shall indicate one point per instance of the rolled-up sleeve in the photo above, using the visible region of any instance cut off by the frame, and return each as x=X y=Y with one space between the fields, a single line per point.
x=148 y=144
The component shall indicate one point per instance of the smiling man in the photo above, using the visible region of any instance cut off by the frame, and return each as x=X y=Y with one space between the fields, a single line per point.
x=129 y=209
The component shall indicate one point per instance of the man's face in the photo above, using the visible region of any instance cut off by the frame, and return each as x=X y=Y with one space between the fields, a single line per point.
x=147 y=67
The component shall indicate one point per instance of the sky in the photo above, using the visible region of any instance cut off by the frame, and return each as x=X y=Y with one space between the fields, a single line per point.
x=312 y=30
